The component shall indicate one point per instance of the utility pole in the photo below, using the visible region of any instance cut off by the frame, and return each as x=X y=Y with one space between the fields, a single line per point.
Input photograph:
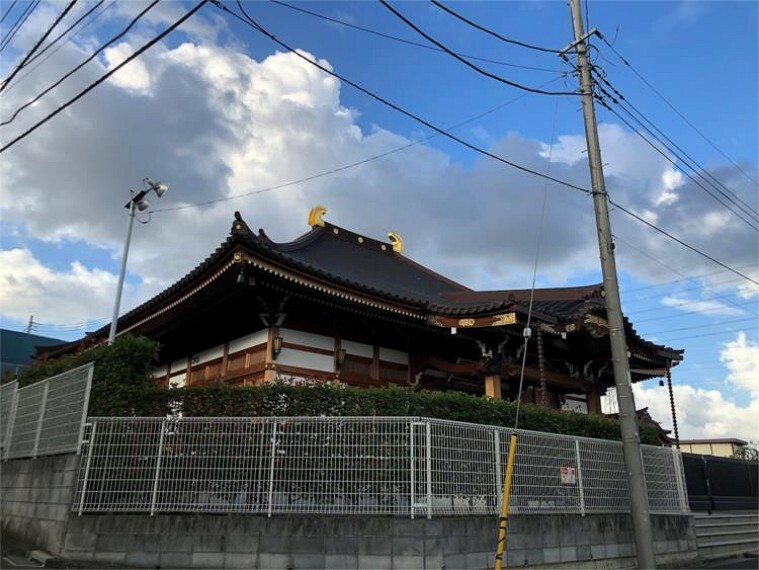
x=627 y=418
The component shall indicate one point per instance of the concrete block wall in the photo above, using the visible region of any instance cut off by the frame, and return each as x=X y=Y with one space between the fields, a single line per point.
x=36 y=498
x=37 y=495
x=335 y=542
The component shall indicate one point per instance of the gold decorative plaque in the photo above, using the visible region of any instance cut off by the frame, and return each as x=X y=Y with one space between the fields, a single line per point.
x=504 y=319
x=435 y=321
x=466 y=322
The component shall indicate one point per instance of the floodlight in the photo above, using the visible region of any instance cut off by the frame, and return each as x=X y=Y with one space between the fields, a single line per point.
x=143 y=205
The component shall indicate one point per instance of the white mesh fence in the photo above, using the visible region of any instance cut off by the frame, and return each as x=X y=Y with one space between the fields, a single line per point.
x=403 y=466
x=7 y=405
x=47 y=417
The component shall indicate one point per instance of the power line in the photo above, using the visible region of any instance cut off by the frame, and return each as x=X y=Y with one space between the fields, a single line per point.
x=730 y=199
x=681 y=242
x=255 y=25
x=67 y=30
x=89 y=88
x=732 y=322
x=350 y=165
x=19 y=23
x=36 y=46
x=679 y=114
x=92 y=56
x=670 y=268
x=491 y=32
x=405 y=41
x=720 y=333
x=685 y=314
x=52 y=53
x=477 y=68
x=252 y=23
x=702 y=172
x=10 y=9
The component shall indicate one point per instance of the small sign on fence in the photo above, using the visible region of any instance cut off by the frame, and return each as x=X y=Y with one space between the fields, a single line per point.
x=568 y=475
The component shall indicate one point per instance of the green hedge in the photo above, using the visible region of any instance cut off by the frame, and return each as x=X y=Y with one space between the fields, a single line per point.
x=326 y=400
x=122 y=387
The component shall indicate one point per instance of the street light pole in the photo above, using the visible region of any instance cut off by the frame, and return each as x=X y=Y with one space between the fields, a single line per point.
x=136 y=202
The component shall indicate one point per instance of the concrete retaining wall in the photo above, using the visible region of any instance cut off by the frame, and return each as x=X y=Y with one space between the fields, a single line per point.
x=37 y=497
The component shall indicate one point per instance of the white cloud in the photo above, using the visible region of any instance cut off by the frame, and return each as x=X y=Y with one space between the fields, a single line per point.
x=714 y=308
x=741 y=357
x=134 y=75
x=215 y=123
x=27 y=287
x=700 y=413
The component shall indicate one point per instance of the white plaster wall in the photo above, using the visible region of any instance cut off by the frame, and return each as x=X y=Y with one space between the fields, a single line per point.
x=247 y=341
x=389 y=355
x=307 y=339
x=310 y=360
x=358 y=348
x=207 y=355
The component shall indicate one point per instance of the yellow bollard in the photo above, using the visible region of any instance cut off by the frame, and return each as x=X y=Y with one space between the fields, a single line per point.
x=501 y=547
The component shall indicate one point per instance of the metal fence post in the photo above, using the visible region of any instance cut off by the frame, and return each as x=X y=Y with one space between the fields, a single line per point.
x=677 y=464
x=85 y=408
x=90 y=446
x=40 y=420
x=271 y=467
x=579 y=478
x=11 y=421
x=429 y=470
x=413 y=466
x=498 y=482
x=158 y=468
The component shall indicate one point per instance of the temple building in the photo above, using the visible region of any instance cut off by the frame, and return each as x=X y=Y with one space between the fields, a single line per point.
x=334 y=305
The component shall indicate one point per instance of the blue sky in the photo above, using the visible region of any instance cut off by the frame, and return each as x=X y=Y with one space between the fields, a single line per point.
x=218 y=111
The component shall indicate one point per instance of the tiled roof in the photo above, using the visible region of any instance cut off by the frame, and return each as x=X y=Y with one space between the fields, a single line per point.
x=370 y=267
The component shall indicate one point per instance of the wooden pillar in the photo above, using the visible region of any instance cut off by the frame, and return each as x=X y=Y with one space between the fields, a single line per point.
x=493 y=386
x=594 y=401
x=270 y=369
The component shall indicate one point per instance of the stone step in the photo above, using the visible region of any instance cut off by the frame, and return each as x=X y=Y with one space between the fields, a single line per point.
x=720 y=537
x=712 y=528
x=726 y=548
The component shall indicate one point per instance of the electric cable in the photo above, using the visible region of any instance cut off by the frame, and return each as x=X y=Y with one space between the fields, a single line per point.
x=624 y=102
x=52 y=53
x=252 y=23
x=469 y=64
x=688 y=313
x=679 y=168
x=527 y=332
x=347 y=166
x=90 y=87
x=405 y=41
x=738 y=215
x=8 y=11
x=18 y=24
x=37 y=45
x=743 y=208
x=491 y=32
x=692 y=327
x=92 y=56
x=681 y=242
x=726 y=297
x=679 y=114
x=67 y=30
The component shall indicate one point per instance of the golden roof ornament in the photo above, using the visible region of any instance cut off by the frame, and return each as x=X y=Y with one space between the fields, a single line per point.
x=397 y=242
x=315 y=216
